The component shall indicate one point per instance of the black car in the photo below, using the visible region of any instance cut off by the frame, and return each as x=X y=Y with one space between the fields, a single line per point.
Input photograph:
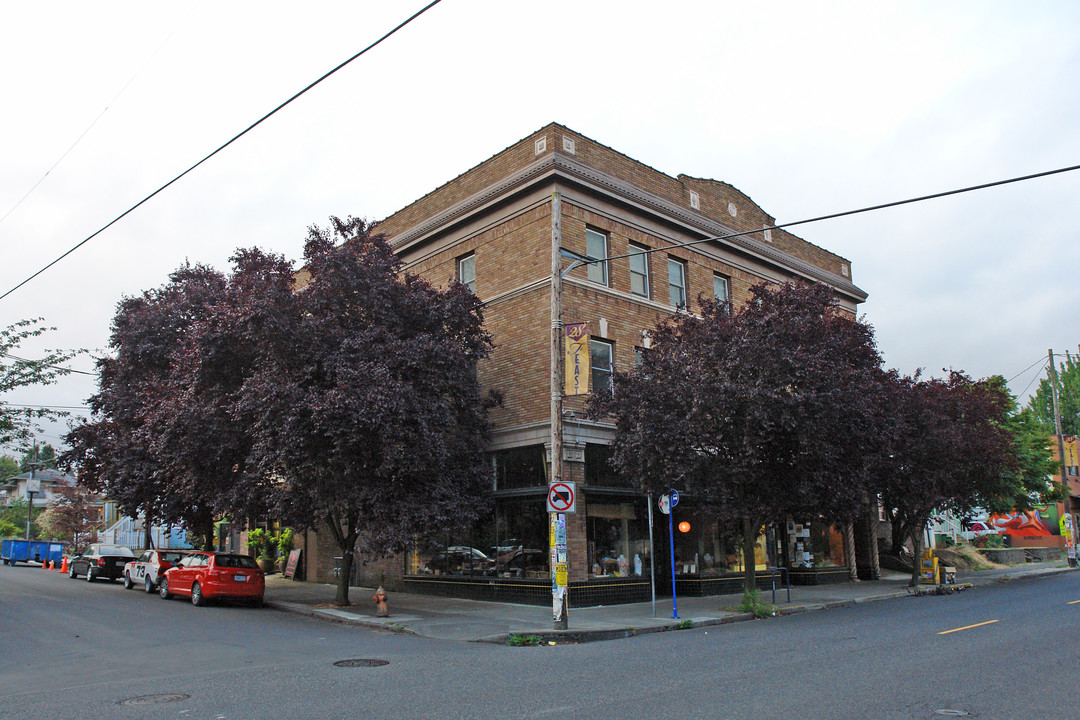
x=100 y=561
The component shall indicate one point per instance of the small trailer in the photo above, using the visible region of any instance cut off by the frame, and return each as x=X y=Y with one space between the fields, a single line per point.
x=41 y=551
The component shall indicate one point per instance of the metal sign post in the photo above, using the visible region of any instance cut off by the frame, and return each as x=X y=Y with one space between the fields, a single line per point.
x=666 y=502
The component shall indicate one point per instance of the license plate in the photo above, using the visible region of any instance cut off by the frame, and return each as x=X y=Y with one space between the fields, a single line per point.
x=240 y=578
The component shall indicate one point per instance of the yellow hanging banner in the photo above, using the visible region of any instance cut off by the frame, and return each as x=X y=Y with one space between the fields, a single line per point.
x=576 y=354
x=1071 y=454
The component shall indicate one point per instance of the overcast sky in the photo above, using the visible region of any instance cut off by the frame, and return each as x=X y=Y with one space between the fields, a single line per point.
x=808 y=108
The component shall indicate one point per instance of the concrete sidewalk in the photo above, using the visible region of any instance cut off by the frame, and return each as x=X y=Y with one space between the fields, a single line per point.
x=476 y=620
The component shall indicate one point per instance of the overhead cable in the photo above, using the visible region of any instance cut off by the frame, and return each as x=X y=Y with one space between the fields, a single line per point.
x=236 y=137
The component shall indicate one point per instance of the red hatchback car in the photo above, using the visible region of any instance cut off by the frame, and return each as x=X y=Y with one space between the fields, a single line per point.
x=206 y=576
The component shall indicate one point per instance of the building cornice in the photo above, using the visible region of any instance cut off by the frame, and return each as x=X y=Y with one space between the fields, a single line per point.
x=557 y=166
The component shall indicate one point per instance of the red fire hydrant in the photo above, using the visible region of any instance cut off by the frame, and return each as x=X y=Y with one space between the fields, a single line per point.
x=380 y=601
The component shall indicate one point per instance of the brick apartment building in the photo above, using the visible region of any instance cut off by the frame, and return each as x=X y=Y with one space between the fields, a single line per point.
x=493 y=228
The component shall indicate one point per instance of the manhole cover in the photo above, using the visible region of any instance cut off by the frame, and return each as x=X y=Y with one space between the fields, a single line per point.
x=951 y=713
x=154 y=699
x=362 y=662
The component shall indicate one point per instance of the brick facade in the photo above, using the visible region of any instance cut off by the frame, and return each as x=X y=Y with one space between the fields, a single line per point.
x=501 y=212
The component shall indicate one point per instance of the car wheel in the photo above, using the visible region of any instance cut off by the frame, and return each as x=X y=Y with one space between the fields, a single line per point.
x=71 y=572
x=89 y=575
x=163 y=589
x=197 y=598
x=149 y=585
x=127 y=581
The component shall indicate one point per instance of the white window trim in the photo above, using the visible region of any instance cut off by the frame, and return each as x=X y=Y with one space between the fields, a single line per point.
x=643 y=252
x=611 y=360
x=605 y=265
x=727 y=287
x=461 y=279
x=682 y=277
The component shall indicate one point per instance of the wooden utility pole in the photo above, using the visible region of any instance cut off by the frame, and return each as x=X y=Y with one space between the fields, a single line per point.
x=1070 y=551
x=559 y=599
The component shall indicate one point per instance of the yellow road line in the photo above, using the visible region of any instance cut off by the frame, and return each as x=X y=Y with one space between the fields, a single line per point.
x=967 y=627
x=1073 y=602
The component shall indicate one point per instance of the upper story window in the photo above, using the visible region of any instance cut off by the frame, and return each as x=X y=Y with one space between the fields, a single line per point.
x=596 y=247
x=639 y=271
x=466 y=271
x=601 y=353
x=676 y=270
x=720 y=288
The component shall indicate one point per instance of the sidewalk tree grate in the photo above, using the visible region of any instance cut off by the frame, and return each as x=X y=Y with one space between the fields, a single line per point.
x=153 y=699
x=362 y=662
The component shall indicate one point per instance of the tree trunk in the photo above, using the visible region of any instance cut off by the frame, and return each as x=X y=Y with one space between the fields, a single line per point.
x=749 y=533
x=916 y=544
x=875 y=560
x=346 y=541
x=342 y=597
x=849 y=550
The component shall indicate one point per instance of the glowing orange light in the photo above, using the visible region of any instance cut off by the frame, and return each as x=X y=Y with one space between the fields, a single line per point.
x=684 y=527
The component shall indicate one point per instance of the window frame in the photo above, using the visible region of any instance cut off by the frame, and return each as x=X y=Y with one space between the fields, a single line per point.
x=640 y=252
x=469 y=258
x=681 y=264
x=727 y=287
x=604 y=266
x=594 y=369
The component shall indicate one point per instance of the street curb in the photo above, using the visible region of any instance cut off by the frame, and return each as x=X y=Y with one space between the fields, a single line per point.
x=337 y=617
x=563 y=637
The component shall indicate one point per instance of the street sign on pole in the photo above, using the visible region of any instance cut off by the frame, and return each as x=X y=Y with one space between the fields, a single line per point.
x=666 y=501
x=562 y=497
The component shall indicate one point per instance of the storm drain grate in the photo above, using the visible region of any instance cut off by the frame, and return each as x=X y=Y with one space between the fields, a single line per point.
x=154 y=699
x=362 y=662
x=947 y=712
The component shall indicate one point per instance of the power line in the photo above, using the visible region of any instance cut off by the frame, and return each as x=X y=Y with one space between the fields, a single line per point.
x=55 y=367
x=1040 y=360
x=1035 y=377
x=47 y=407
x=236 y=137
x=99 y=116
x=645 y=251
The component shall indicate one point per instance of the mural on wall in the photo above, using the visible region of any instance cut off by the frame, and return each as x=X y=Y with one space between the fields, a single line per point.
x=1041 y=521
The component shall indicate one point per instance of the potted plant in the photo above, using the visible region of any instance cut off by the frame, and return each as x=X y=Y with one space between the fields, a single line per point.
x=284 y=546
x=259 y=545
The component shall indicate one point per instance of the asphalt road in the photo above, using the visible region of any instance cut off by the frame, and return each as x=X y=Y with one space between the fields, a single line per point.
x=70 y=649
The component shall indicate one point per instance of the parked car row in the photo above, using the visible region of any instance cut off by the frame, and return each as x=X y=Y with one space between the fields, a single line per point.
x=197 y=574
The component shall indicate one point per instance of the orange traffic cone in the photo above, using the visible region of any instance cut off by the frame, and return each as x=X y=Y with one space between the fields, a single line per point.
x=63 y=567
x=51 y=565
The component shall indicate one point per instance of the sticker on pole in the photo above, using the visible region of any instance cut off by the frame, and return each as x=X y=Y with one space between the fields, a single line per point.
x=562 y=498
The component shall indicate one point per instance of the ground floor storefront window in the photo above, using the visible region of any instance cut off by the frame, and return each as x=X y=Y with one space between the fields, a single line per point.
x=617 y=535
x=508 y=541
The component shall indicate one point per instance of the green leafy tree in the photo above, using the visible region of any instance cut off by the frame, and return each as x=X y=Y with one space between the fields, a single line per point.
x=1041 y=403
x=9 y=467
x=44 y=455
x=1025 y=482
x=15 y=514
x=18 y=424
x=9 y=529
